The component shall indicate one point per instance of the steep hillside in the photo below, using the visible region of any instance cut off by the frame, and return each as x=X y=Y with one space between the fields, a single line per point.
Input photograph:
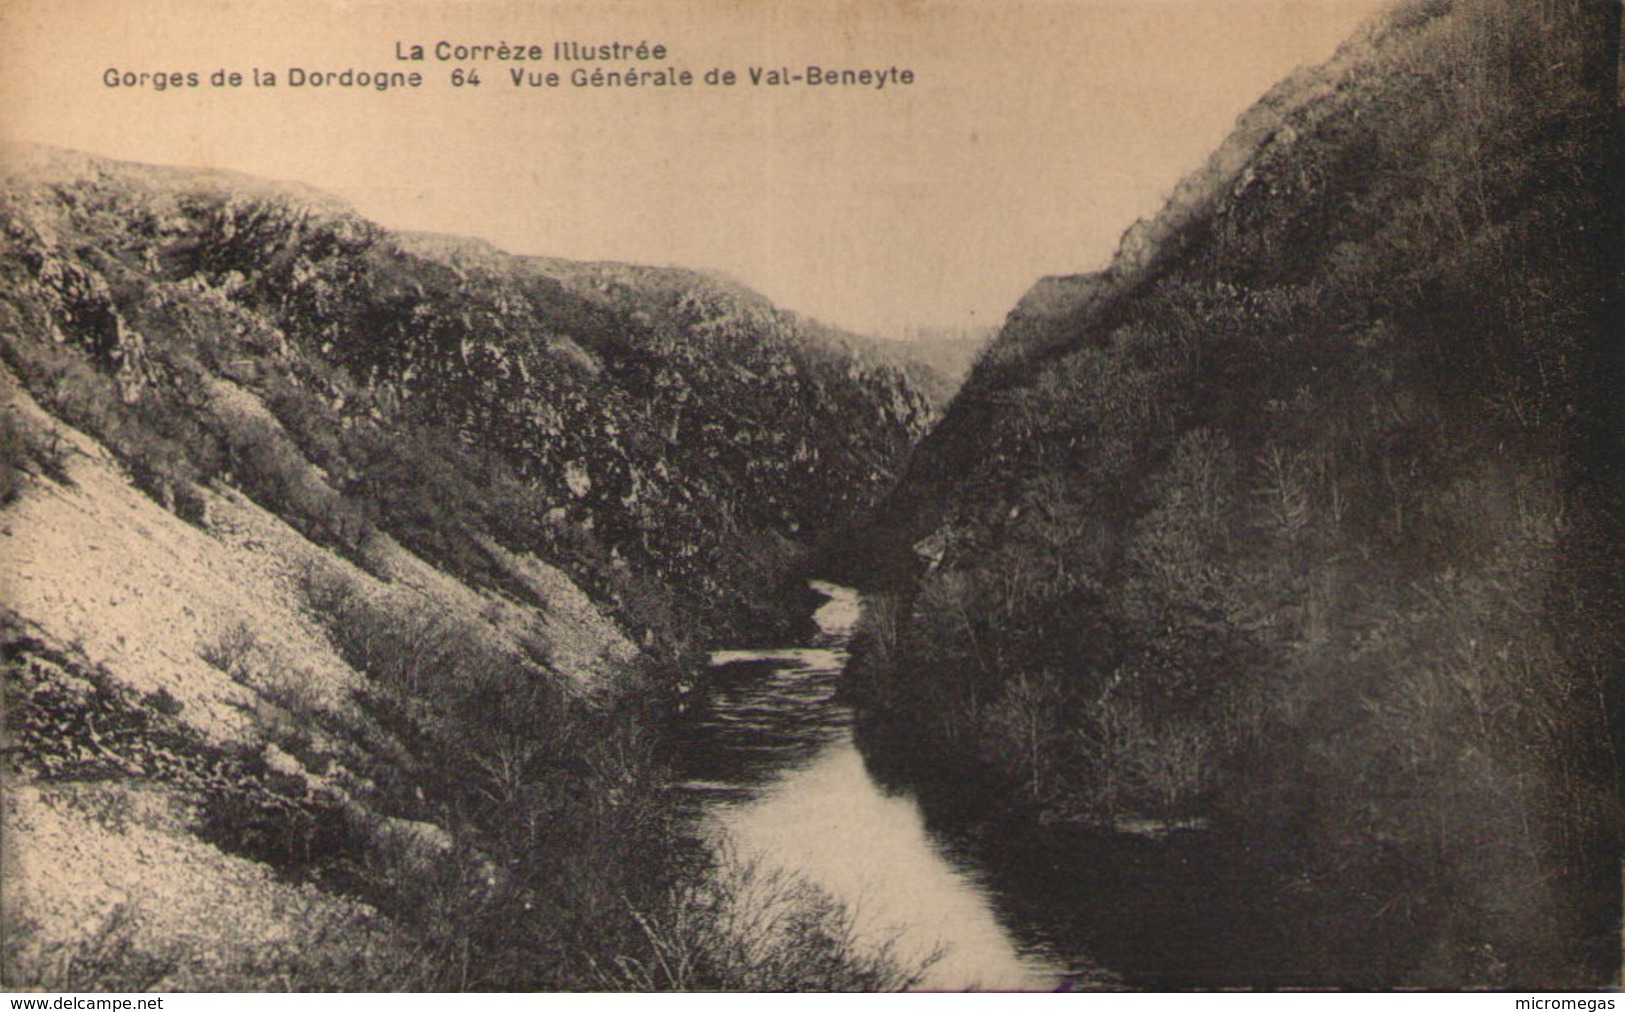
x=816 y=409
x=940 y=357
x=348 y=579
x=675 y=444
x=1298 y=527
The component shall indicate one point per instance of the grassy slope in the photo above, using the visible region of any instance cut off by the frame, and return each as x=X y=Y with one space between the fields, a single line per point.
x=1291 y=520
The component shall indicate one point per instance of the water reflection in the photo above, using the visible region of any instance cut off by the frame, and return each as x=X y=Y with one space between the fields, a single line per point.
x=771 y=766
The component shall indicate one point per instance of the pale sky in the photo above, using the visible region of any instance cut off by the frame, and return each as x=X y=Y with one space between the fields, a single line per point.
x=1036 y=130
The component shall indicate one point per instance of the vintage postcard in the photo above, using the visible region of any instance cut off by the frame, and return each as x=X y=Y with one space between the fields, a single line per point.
x=822 y=495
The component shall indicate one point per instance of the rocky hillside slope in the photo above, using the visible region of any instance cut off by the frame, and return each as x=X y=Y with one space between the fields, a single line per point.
x=616 y=419
x=1300 y=523
x=347 y=575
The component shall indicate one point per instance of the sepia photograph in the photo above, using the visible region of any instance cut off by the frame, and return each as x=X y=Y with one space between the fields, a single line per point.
x=812 y=496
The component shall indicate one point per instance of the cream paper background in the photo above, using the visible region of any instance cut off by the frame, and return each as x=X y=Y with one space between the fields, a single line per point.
x=1034 y=134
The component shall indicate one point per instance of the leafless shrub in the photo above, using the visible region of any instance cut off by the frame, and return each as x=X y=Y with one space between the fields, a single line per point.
x=747 y=928
x=1027 y=721
x=234 y=650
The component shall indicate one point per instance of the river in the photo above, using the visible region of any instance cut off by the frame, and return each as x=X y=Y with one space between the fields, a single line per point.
x=771 y=769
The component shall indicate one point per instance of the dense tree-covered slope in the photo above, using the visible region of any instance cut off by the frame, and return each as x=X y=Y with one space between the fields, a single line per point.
x=1301 y=521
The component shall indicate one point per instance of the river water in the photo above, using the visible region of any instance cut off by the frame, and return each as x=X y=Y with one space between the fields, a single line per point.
x=774 y=775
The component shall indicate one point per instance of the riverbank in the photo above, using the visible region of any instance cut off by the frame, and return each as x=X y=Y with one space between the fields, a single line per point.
x=770 y=768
